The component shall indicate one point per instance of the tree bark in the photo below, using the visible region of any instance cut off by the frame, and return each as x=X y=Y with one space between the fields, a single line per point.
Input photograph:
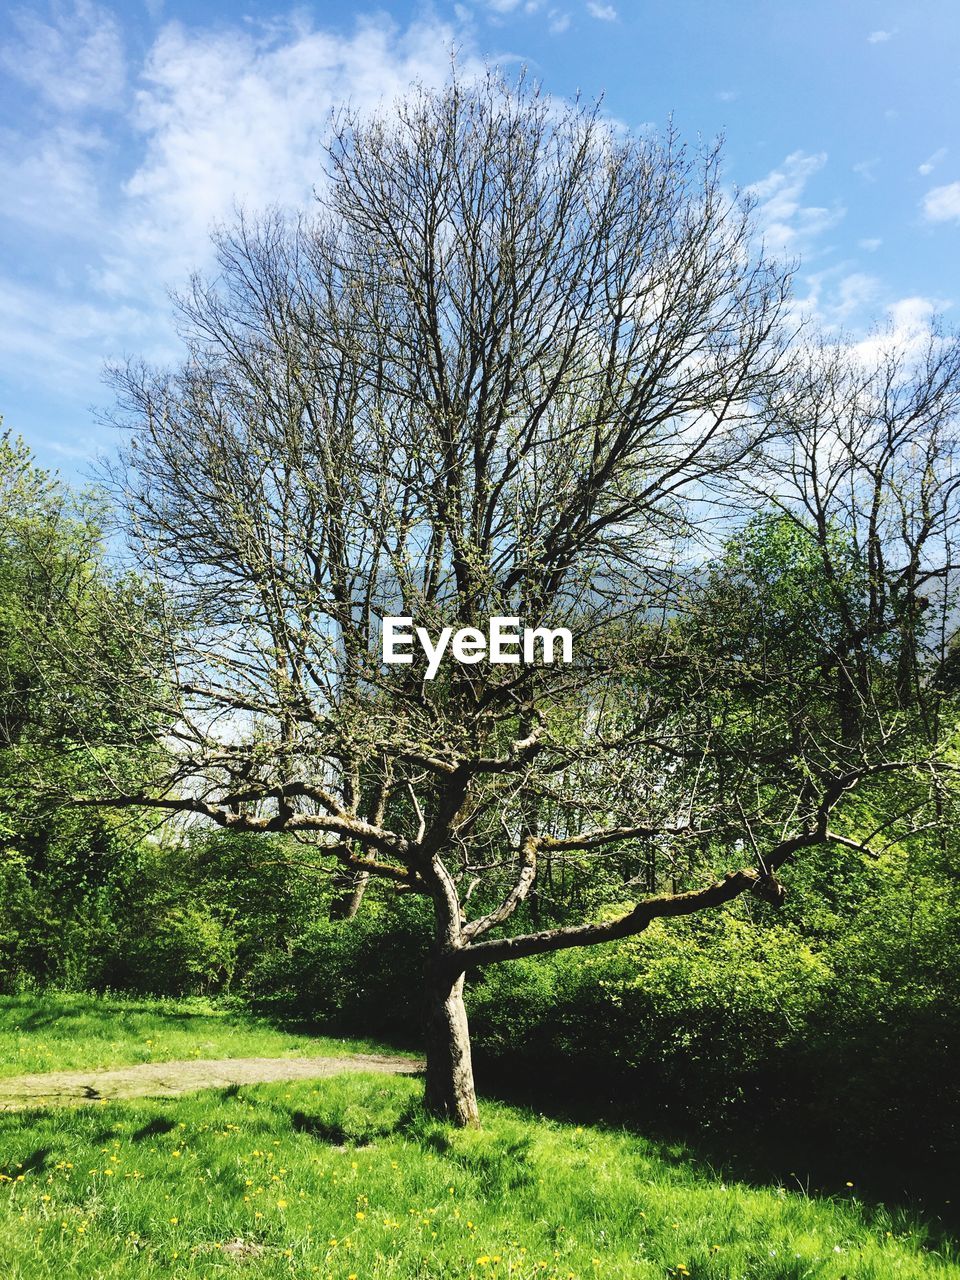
x=351 y=888
x=450 y=1092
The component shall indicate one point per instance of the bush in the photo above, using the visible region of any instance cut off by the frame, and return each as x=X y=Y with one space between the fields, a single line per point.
x=728 y=1024
x=361 y=975
x=185 y=948
x=695 y=1013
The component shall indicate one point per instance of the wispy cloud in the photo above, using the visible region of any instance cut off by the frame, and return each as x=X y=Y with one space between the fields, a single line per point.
x=499 y=10
x=76 y=63
x=855 y=293
x=118 y=211
x=845 y=304
x=603 y=12
x=908 y=329
x=870 y=244
x=728 y=95
x=231 y=118
x=786 y=222
x=880 y=37
x=931 y=162
x=942 y=204
x=866 y=169
x=49 y=179
x=220 y=119
x=838 y=299
x=42 y=326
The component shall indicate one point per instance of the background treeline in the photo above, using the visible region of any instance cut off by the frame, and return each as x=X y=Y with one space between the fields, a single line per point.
x=829 y=1023
x=830 y=1027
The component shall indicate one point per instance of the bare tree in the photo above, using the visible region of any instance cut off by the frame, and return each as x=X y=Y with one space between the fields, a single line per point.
x=872 y=450
x=510 y=369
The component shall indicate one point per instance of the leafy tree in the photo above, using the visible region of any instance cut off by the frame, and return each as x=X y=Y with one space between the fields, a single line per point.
x=64 y=684
x=517 y=366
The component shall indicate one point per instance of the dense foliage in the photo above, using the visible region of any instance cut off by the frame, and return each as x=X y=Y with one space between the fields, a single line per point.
x=830 y=1021
x=825 y=1032
x=66 y=683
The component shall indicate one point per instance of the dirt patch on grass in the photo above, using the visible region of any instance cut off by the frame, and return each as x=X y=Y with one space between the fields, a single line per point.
x=166 y=1079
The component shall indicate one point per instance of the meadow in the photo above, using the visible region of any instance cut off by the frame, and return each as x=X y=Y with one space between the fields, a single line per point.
x=64 y=1031
x=347 y=1179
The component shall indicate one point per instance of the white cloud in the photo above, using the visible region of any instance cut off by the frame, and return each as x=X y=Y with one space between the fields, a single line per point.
x=792 y=175
x=66 y=336
x=75 y=63
x=48 y=180
x=866 y=169
x=232 y=118
x=499 y=10
x=838 y=299
x=787 y=224
x=728 y=95
x=907 y=315
x=931 y=162
x=942 y=204
x=879 y=37
x=219 y=118
x=855 y=293
x=604 y=12
x=871 y=244
x=908 y=329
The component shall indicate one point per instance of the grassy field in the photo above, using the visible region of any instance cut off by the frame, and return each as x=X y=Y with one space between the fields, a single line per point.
x=347 y=1180
x=56 y=1032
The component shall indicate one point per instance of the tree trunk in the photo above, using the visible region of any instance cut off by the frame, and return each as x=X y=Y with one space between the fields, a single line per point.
x=351 y=888
x=450 y=1091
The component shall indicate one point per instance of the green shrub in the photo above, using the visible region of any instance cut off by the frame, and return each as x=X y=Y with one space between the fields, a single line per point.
x=362 y=975
x=185 y=948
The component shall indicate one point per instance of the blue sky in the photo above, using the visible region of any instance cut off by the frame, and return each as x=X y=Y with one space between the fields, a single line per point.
x=126 y=130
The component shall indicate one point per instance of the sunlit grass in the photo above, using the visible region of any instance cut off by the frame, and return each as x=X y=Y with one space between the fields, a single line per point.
x=346 y=1178
x=60 y=1032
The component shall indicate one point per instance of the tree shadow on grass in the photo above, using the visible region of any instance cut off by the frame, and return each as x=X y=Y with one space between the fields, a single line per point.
x=772 y=1150
x=752 y=1148
x=335 y=1134
x=357 y=1125
x=36 y=1162
x=153 y=1129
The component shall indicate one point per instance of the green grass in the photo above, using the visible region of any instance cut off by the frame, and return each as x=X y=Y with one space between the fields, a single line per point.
x=62 y=1032
x=345 y=1178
